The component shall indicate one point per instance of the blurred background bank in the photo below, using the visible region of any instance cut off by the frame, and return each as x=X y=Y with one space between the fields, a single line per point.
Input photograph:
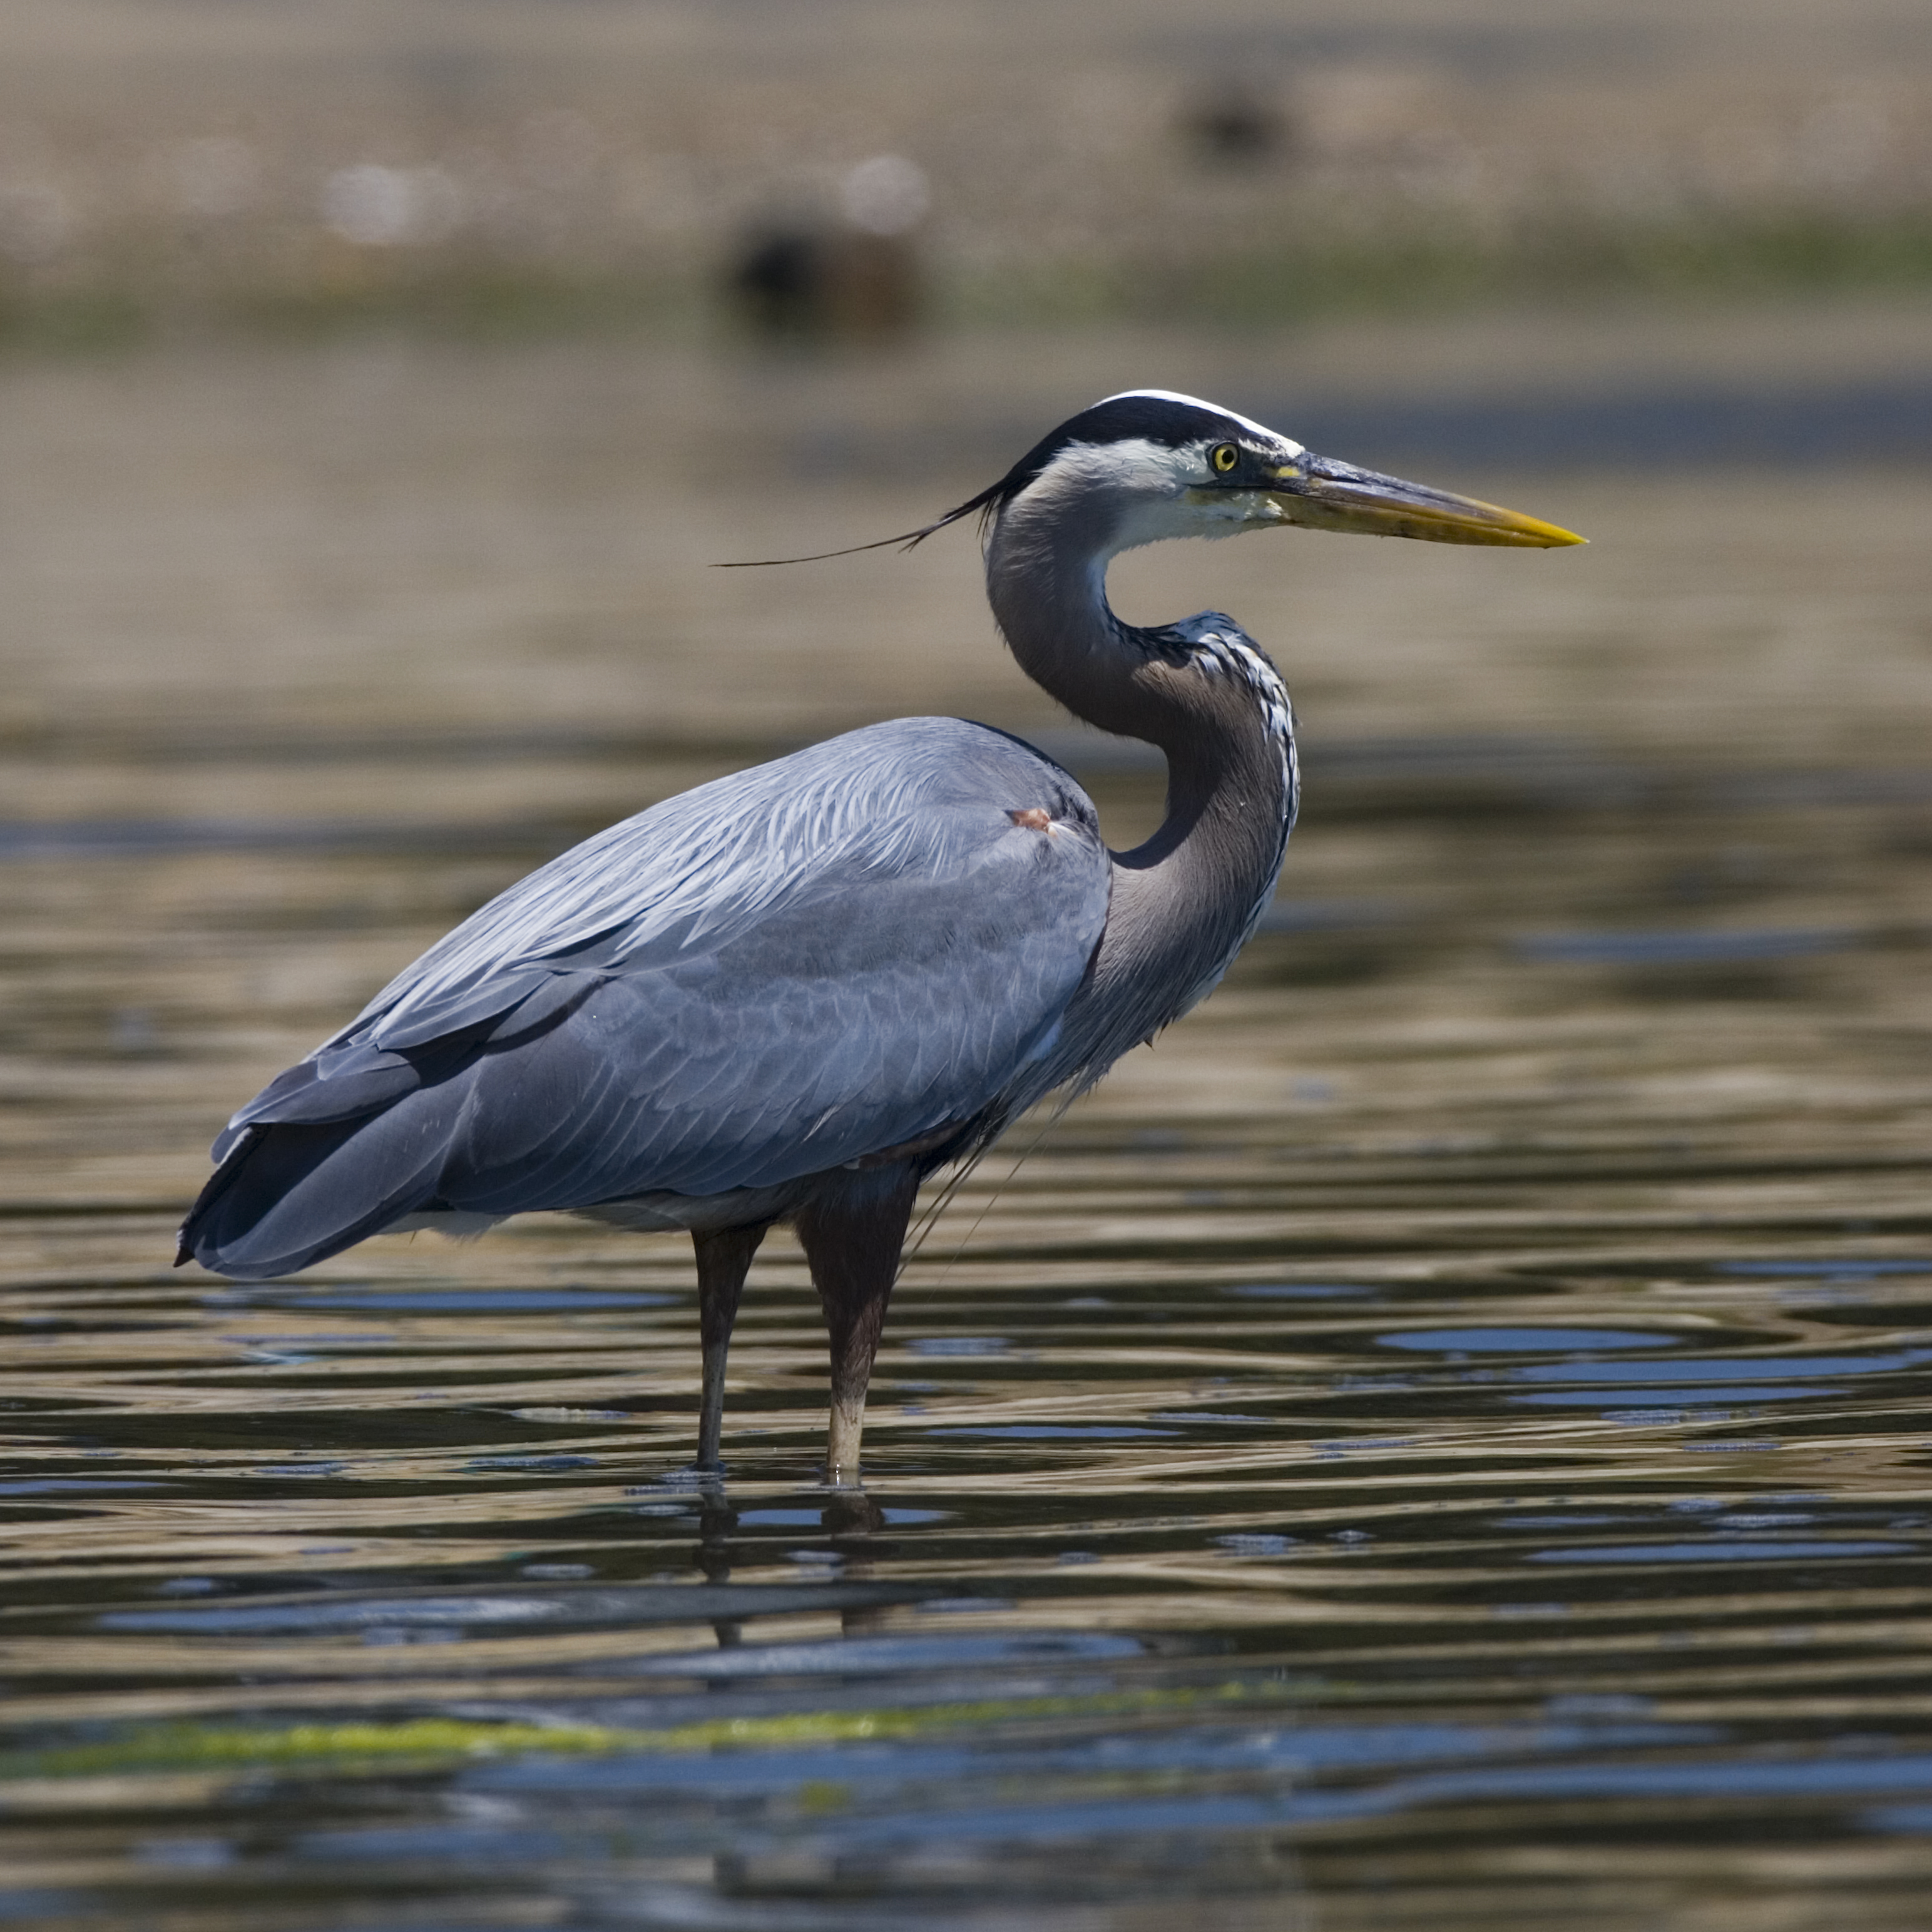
x=170 y=164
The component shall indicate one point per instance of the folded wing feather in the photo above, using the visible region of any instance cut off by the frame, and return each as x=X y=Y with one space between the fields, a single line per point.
x=786 y=970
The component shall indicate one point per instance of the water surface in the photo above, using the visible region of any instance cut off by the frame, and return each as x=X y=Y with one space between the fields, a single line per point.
x=1441 y=1441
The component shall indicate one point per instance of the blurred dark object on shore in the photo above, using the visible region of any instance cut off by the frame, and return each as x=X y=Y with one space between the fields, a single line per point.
x=1232 y=124
x=798 y=283
x=854 y=278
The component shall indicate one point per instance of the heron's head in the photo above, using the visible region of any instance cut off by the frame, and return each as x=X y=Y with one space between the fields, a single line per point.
x=1150 y=464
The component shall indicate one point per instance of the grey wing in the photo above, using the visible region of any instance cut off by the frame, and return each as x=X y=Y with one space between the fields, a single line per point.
x=827 y=956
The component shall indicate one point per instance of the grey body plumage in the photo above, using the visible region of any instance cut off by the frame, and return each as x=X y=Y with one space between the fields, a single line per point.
x=803 y=964
x=793 y=993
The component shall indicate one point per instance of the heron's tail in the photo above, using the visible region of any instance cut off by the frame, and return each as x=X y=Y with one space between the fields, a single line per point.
x=289 y=1194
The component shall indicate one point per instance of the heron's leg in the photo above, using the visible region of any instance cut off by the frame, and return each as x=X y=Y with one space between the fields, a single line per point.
x=852 y=1231
x=724 y=1260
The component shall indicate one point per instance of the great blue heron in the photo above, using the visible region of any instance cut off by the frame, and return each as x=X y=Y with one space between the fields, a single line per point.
x=792 y=994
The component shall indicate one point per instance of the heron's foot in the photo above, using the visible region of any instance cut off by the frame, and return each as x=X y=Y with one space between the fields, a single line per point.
x=842 y=1441
x=711 y=1436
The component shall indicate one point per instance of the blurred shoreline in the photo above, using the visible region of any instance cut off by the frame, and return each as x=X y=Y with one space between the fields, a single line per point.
x=239 y=167
x=1567 y=268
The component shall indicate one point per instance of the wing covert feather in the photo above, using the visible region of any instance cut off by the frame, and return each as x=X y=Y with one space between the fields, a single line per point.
x=767 y=976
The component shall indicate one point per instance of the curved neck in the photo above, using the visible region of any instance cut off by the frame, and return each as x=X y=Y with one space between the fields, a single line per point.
x=1183 y=901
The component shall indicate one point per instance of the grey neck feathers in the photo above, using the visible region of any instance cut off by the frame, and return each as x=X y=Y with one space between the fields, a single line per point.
x=1184 y=901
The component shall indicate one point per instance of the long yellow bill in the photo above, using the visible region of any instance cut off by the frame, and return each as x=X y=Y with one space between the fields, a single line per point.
x=1322 y=494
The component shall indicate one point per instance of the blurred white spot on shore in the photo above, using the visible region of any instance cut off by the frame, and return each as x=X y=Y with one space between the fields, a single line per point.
x=379 y=207
x=886 y=196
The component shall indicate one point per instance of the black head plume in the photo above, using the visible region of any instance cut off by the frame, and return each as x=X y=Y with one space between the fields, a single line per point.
x=1150 y=415
x=906 y=539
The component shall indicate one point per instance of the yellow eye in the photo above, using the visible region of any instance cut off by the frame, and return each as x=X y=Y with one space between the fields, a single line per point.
x=1225 y=457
